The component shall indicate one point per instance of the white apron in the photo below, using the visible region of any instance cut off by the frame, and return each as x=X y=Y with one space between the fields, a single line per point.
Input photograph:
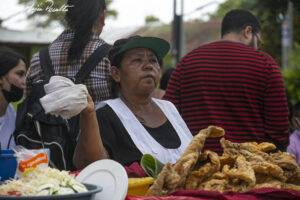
x=143 y=140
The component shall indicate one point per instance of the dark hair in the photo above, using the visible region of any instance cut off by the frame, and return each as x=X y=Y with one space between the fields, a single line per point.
x=236 y=20
x=81 y=17
x=9 y=59
x=165 y=78
x=115 y=60
x=113 y=55
x=296 y=110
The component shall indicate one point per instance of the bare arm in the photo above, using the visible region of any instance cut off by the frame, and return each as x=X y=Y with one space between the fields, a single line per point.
x=89 y=146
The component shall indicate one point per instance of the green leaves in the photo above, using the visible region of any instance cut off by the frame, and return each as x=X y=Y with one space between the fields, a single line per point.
x=151 y=165
x=292 y=77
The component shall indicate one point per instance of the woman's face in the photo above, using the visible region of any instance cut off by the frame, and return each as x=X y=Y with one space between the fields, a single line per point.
x=139 y=71
x=15 y=76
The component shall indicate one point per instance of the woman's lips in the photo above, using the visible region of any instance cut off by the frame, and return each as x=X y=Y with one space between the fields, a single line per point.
x=149 y=76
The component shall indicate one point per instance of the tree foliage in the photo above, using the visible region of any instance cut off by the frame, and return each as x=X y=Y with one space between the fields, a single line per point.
x=49 y=11
x=292 y=77
x=151 y=18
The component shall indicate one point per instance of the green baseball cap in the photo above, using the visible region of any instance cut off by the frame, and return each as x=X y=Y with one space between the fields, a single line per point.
x=159 y=46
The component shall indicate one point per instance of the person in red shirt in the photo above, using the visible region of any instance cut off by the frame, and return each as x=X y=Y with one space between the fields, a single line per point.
x=231 y=84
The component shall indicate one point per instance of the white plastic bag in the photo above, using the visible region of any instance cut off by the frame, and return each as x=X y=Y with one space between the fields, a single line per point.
x=28 y=160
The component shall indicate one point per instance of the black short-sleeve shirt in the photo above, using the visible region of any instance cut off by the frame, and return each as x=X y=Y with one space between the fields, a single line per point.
x=118 y=142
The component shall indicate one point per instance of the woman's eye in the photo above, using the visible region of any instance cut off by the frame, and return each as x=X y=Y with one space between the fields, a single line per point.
x=153 y=60
x=137 y=60
x=20 y=74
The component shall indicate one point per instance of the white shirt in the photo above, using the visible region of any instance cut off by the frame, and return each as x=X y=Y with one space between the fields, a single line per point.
x=7 y=126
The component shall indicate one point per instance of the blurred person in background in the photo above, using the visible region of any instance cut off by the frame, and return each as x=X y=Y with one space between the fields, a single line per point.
x=72 y=48
x=294 y=146
x=231 y=84
x=12 y=83
x=163 y=83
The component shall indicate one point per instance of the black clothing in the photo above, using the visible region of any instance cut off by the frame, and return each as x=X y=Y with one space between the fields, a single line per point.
x=118 y=142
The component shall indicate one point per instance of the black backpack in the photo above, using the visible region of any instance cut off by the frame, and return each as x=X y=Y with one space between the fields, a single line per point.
x=35 y=129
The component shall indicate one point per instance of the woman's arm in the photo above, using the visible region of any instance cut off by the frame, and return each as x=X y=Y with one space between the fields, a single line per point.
x=89 y=146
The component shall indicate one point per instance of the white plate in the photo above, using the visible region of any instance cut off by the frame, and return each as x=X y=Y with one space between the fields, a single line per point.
x=108 y=174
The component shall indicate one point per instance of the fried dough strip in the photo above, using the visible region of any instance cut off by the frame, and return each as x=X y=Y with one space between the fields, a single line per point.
x=258 y=159
x=266 y=146
x=263 y=180
x=284 y=160
x=188 y=160
x=214 y=185
x=184 y=166
x=252 y=147
x=242 y=170
x=291 y=186
x=157 y=187
x=197 y=143
x=293 y=176
x=204 y=172
x=262 y=166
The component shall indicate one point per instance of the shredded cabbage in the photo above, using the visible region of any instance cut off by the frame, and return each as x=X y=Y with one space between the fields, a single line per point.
x=43 y=181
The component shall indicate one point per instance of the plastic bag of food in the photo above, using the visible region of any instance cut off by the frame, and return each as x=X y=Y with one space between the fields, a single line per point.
x=29 y=160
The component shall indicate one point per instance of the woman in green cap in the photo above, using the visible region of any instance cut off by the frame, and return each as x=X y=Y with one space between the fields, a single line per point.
x=133 y=123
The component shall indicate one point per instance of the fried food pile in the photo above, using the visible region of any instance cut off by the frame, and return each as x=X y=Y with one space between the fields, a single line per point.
x=242 y=167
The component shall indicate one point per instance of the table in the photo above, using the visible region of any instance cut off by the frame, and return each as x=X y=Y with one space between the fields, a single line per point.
x=255 y=194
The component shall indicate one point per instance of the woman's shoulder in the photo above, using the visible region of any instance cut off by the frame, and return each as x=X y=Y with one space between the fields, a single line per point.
x=164 y=102
x=105 y=109
x=10 y=112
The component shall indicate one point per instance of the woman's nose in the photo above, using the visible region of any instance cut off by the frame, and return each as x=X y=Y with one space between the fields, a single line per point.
x=148 y=65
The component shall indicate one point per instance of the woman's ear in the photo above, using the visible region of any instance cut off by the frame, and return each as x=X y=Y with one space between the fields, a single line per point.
x=115 y=73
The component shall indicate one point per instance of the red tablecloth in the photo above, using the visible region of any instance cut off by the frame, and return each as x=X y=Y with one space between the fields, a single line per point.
x=256 y=194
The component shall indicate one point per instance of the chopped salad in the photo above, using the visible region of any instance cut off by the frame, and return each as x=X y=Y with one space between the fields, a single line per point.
x=42 y=182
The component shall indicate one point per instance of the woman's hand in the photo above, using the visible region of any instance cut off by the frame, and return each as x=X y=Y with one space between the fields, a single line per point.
x=90 y=106
x=89 y=146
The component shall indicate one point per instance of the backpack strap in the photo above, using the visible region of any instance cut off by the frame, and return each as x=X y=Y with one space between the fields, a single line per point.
x=83 y=72
x=91 y=63
x=46 y=63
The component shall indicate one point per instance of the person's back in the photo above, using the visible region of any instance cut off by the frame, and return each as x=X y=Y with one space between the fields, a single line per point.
x=73 y=47
x=229 y=83
x=68 y=53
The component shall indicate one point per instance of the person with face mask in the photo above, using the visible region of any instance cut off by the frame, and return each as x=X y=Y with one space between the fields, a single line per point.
x=232 y=84
x=12 y=82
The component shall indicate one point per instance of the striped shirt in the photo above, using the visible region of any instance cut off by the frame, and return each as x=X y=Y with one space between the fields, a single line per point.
x=231 y=85
x=97 y=82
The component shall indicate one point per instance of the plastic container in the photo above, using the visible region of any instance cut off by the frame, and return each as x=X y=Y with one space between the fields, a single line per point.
x=89 y=195
x=139 y=186
x=8 y=165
